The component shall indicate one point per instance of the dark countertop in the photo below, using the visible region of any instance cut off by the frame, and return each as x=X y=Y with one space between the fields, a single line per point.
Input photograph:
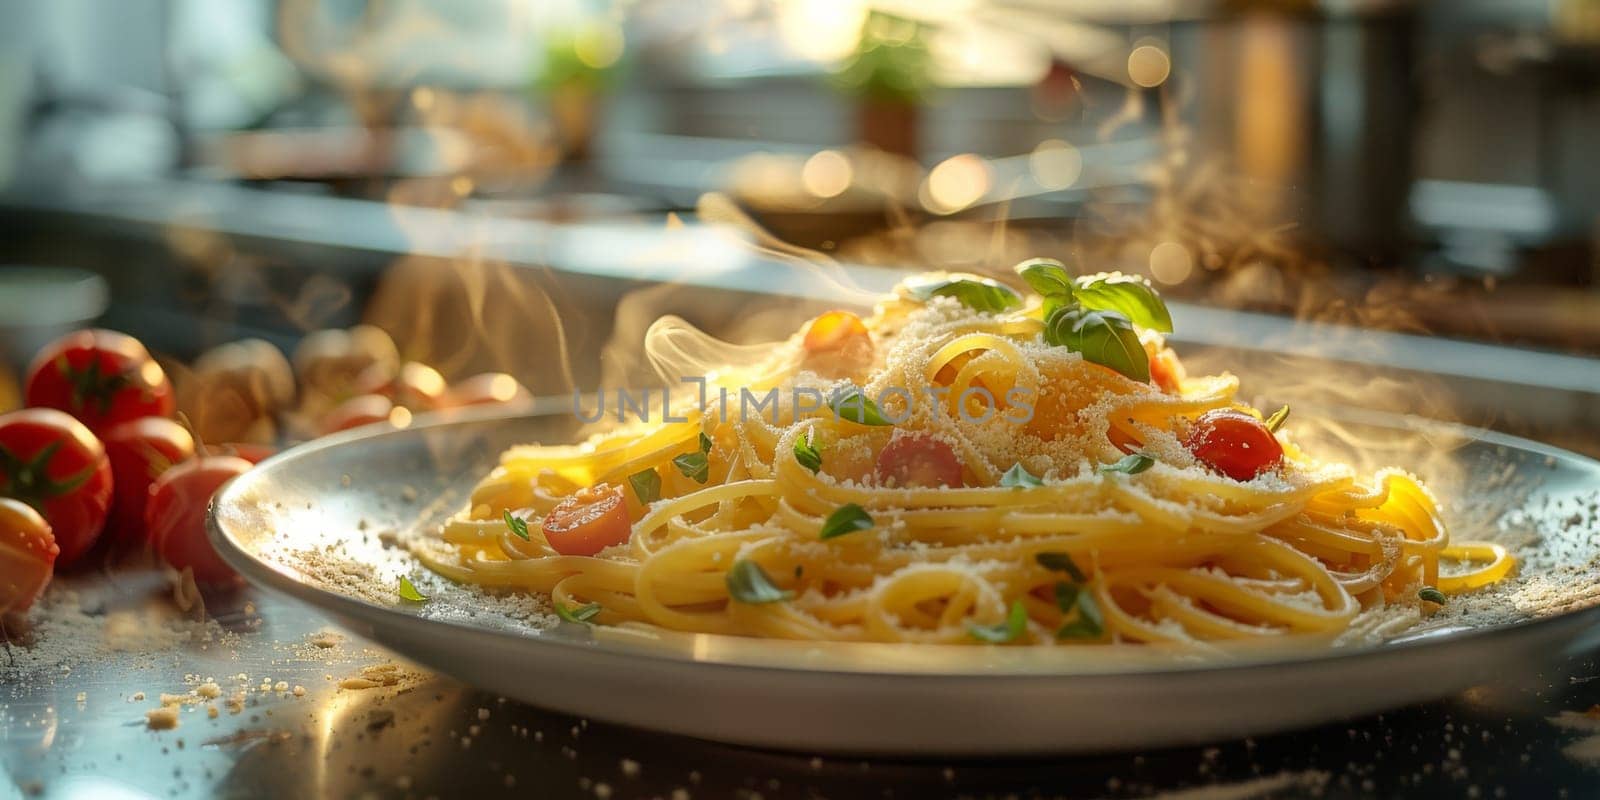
x=71 y=730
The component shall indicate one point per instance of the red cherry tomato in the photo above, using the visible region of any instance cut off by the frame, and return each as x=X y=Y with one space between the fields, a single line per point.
x=918 y=459
x=588 y=521
x=176 y=515
x=52 y=462
x=837 y=344
x=365 y=410
x=1234 y=443
x=27 y=555
x=101 y=377
x=490 y=389
x=253 y=453
x=140 y=451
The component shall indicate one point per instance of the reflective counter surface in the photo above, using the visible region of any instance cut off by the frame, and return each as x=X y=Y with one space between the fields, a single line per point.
x=302 y=709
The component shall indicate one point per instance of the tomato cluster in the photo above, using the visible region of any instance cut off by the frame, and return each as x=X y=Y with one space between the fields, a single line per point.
x=98 y=456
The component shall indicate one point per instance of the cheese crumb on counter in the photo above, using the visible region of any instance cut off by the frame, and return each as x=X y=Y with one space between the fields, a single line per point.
x=164 y=718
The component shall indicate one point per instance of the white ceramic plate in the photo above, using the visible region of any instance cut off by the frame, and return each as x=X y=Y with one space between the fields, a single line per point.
x=314 y=522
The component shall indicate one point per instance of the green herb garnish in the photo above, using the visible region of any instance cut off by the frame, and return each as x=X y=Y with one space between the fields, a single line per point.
x=1089 y=624
x=693 y=465
x=849 y=518
x=646 y=485
x=978 y=294
x=851 y=404
x=1431 y=595
x=1046 y=276
x=1061 y=562
x=1104 y=337
x=705 y=442
x=1018 y=477
x=516 y=524
x=1095 y=314
x=749 y=583
x=1275 y=421
x=1130 y=295
x=1015 y=624
x=1131 y=464
x=408 y=591
x=807 y=454
x=582 y=613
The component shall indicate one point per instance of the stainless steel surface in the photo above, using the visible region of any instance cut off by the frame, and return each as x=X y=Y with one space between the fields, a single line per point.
x=405 y=741
x=306 y=524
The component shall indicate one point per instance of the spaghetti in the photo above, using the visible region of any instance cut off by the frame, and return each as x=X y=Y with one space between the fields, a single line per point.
x=1001 y=478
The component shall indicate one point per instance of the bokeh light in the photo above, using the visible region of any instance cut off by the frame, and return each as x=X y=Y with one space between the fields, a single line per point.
x=821 y=30
x=827 y=174
x=1149 y=65
x=1171 y=263
x=957 y=182
x=598 y=45
x=1055 y=164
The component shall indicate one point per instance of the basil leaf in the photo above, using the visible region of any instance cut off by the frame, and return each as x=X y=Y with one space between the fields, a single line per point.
x=1016 y=623
x=806 y=454
x=749 y=583
x=1131 y=464
x=978 y=294
x=705 y=443
x=516 y=524
x=1061 y=562
x=646 y=485
x=1067 y=595
x=1053 y=302
x=1275 y=421
x=849 y=518
x=1018 y=477
x=851 y=404
x=693 y=465
x=582 y=613
x=408 y=591
x=1431 y=595
x=1046 y=276
x=1131 y=295
x=1106 y=338
x=1089 y=624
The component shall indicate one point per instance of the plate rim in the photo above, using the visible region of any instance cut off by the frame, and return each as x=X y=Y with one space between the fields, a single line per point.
x=262 y=573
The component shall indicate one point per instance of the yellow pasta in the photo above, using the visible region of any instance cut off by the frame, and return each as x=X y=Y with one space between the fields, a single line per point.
x=1045 y=534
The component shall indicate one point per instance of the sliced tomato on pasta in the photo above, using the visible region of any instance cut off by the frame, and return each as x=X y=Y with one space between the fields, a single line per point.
x=918 y=459
x=588 y=521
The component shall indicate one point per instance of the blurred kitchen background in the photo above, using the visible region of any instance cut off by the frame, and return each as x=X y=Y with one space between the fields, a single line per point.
x=1396 y=188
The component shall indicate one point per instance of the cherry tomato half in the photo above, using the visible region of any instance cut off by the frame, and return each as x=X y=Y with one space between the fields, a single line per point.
x=101 y=377
x=52 y=462
x=588 y=521
x=140 y=451
x=918 y=459
x=1234 y=443
x=176 y=515
x=27 y=555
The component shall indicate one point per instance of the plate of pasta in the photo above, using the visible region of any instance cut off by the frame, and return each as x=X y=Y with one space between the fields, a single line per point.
x=978 y=518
